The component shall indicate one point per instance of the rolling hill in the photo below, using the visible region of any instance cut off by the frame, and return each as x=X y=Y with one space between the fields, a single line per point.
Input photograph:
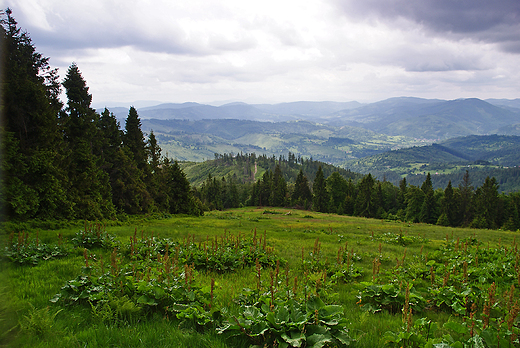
x=496 y=154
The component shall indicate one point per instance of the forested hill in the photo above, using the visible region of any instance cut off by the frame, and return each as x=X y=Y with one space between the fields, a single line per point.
x=248 y=168
x=483 y=155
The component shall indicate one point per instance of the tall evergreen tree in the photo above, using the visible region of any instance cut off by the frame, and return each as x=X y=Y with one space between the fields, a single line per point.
x=179 y=191
x=154 y=152
x=279 y=188
x=365 y=205
x=134 y=139
x=448 y=207
x=337 y=188
x=429 y=206
x=89 y=189
x=34 y=175
x=302 y=193
x=487 y=205
x=414 y=202
x=466 y=200
x=320 y=198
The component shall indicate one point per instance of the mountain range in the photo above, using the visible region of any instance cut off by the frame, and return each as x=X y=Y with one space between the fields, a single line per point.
x=431 y=119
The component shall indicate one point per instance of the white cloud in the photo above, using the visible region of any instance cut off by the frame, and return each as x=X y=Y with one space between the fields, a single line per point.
x=273 y=50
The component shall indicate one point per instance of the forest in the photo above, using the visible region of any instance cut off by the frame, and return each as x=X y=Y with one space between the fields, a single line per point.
x=67 y=161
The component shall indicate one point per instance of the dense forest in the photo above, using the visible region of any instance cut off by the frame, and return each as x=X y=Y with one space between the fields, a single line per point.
x=66 y=161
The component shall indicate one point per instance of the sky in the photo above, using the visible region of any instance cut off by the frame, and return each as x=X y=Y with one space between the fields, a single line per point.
x=274 y=51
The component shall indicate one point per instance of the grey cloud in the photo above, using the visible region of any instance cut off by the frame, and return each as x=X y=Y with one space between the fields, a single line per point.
x=482 y=20
x=147 y=32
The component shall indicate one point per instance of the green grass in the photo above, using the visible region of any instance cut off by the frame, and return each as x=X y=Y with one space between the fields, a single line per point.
x=28 y=318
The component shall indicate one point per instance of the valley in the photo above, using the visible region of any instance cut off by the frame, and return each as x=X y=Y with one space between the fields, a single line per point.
x=392 y=139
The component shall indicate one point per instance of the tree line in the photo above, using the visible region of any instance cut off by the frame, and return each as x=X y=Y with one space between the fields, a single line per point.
x=460 y=206
x=68 y=161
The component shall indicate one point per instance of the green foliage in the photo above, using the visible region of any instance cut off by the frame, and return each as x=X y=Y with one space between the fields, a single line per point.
x=94 y=236
x=23 y=252
x=390 y=297
x=275 y=321
x=39 y=322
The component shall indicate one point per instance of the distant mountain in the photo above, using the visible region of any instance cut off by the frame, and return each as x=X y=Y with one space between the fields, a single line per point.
x=510 y=103
x=429 y=119
x=304 y=110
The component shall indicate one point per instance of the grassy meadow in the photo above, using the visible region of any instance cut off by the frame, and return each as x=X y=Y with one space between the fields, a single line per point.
x=395 y=283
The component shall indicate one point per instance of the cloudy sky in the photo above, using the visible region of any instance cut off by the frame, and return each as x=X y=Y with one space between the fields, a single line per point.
x=280 y=50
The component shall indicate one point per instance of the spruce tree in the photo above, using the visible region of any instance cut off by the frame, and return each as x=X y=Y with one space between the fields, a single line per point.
x=448 y=207
x=34 y=173
x=178 y=190
x=337 y=188
x=279 y=188
x=134 y=140
x=320 y=198
x=302 y=193
x=428 y=212
x=466 y=200
x=487 y=205
x=89 y=184
x=365 y=205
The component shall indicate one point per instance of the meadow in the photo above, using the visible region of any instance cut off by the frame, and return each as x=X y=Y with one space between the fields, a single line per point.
x=259 y=277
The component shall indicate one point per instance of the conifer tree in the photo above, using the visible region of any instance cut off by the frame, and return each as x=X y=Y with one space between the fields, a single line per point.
x=466 y=200
x=89 y=188
x=448 y=207
x=320 y=198
x=178 y=189
x=428 y=212
x=34 y=175
x=365 y=205
x=487 y=205
x=337 y=188
x=414 y=202
x=279 y=188
x=134 y=140
x=302 y=193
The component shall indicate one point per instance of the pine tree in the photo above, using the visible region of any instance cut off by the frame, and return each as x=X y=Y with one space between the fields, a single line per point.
x=365 y=205
x=302 y=193
x=134 y=140
x=178 y=190
x=320 y=198
x=466 y=200
x=90 y=189
x=448 y=207
x=487 y=205
x=279 y=188
x=428 y=212
x=337 y=188
x=414 y=202
x=34 y=174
